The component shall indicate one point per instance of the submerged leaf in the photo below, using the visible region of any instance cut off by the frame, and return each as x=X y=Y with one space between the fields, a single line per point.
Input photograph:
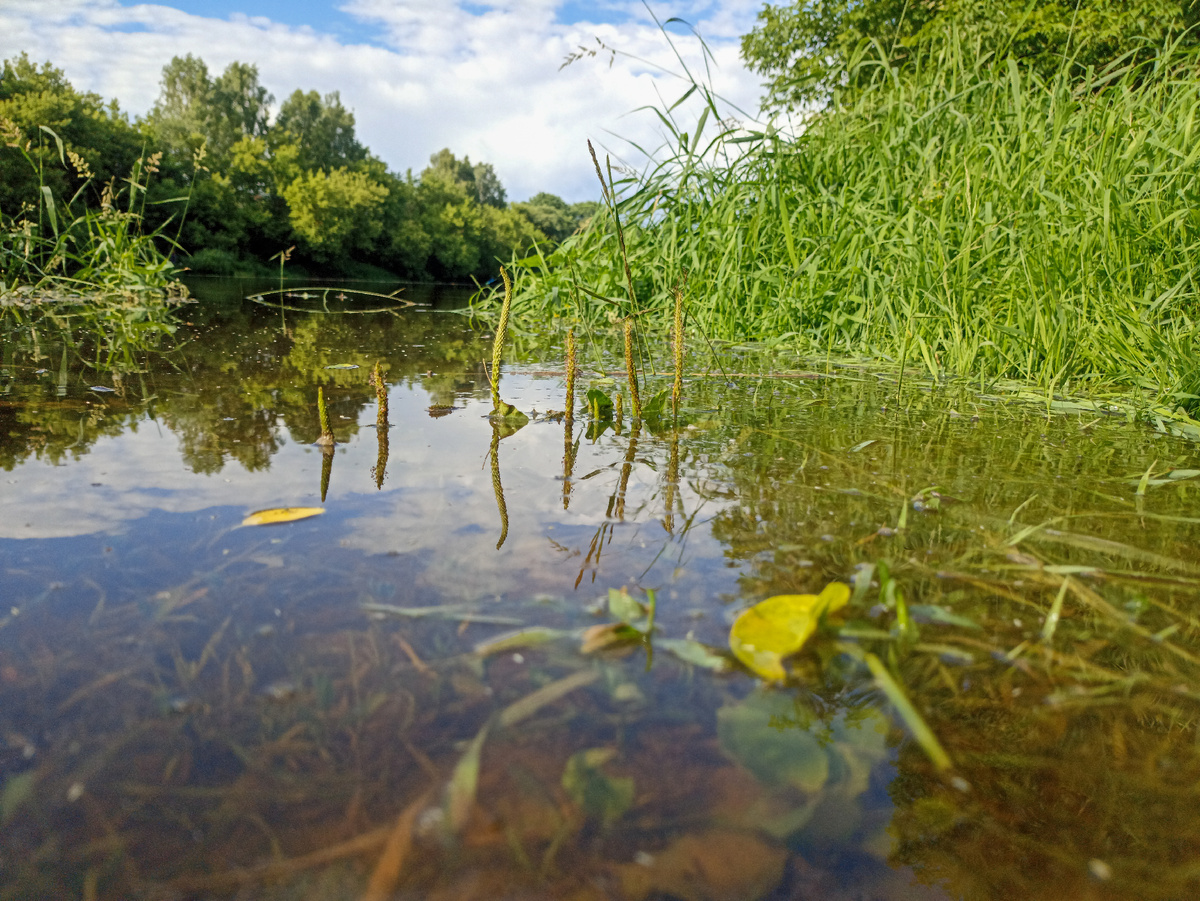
x=779 y=626
x=280 y=514
x=598 y=795
x=768 y=735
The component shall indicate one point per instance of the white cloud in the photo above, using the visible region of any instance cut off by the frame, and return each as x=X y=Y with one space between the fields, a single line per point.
x=482 y=79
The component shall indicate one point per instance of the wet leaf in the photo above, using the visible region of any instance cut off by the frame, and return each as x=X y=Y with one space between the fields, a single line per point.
x=779 y=626
x=280 y=514
x=932 y=613
x=695 y=653
x=547 y=694
x=464 y=781
x=765 y=735
x=623 y=606
x=606 y=636
x=17 y=790
x=522 y=638
x=598 y=795
x=654 y=407
x=599 y=404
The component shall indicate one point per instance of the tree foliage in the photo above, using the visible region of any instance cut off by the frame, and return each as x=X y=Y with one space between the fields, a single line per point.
x=235 y=185
x=804 y=48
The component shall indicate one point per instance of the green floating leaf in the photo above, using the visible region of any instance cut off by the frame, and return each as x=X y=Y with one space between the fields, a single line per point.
x=654 y=407
x=343 y=366
x=779 y=626
x=625 y=607
x=599 y=404
x=598 y=795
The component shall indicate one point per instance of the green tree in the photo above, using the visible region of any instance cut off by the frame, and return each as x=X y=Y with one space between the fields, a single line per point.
x=99 y=134
x=804 y=48
x=554 y=217
x=335 y=213
x=321 y=128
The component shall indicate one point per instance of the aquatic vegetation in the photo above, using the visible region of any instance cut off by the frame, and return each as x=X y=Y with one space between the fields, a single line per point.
x=1004 y=703
x=965 y=216
x=50 y=252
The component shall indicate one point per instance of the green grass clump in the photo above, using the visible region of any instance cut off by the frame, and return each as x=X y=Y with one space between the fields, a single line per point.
x=49 y=251
x=968 y=215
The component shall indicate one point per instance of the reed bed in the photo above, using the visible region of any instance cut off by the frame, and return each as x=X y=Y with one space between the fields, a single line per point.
x=968 y=215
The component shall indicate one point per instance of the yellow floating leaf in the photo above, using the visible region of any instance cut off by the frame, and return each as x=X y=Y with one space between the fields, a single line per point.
x=280 y=514
x=778 y=627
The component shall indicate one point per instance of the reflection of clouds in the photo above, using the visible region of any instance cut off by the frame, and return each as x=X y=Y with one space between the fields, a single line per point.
x=436 y=504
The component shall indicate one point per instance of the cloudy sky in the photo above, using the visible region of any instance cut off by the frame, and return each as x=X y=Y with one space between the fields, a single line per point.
x=481 y=78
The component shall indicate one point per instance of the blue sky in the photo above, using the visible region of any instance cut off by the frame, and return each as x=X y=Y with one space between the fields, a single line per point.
x=482 y=78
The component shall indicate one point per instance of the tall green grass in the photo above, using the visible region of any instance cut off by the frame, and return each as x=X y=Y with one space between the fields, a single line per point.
x=967 y=215
x=65 y=248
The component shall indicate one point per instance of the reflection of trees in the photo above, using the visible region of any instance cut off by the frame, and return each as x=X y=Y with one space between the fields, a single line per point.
x=228 y=381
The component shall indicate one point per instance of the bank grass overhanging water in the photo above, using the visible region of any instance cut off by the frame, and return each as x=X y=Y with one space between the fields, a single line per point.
x=51 y=253
x=965 y=216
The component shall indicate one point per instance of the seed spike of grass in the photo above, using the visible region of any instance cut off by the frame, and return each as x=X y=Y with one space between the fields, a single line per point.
x=498 y=341
x=631 y=371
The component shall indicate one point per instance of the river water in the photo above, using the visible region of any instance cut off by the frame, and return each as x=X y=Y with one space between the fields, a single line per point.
x=496 y=664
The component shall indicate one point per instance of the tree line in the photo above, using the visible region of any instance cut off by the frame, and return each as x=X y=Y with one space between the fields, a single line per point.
x=237 y=182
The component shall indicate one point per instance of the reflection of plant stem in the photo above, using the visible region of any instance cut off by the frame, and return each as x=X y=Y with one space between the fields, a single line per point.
x=672 y=484
x=381 y=425
x=677 y=388
x=595 y=548
x=381 y=458
x=497 y=487
x=627 y=468
x=326 y=470
x=498 y=342
x=631 y=371
x=569 y=450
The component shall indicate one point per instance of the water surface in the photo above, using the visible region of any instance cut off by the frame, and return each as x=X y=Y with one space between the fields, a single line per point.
x=190 y=707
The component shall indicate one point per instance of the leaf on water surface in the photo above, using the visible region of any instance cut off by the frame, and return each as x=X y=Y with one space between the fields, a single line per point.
x=764 y=734
x=343 y=366
x=609 y=636
x=595 y=792
x=599 y=403
x=280 y=514
x=654 y=407
x=624 y=606
x=779 y=626
x=695 y=653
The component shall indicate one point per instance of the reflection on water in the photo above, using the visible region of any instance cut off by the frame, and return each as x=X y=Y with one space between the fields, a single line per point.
x=441 y=687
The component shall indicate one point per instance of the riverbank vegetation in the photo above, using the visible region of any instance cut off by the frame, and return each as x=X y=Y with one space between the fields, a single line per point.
x=959 y=209
x=234 y=186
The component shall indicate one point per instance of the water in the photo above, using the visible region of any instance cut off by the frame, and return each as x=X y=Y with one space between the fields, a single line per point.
x=192 y=707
